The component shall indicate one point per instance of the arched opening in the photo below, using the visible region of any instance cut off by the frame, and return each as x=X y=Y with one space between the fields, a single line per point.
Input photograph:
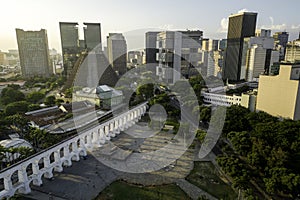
x=70 y=148
x=92 y=136
x=14 y=177
x=29 y=170
x=1 y=184
x=61 y=152
x=41 y=163
x=52 y=159
x=78 y=143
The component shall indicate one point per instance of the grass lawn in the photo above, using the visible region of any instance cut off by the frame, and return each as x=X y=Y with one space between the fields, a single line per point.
x=120 y=190
x=205 y=176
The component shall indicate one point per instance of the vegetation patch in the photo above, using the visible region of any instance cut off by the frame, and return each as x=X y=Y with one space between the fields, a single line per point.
x=121 y=190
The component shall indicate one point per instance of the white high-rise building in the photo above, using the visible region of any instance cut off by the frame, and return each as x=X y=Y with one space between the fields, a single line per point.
x=117 y=52
x=259 y=55
x=177 y=50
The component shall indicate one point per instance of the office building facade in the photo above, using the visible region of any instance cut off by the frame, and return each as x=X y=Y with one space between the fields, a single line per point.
x=117 y=52
x=177 y=51
x=69 y=45
x=73 y=47
x=92 y=36
x=260 y=55
x=151 y=50
x=240 y=26
x=280 y=95
x=34 y=53
x=281 y=40
x=292 y=53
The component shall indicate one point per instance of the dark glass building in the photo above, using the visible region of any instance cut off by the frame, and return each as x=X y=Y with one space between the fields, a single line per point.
x=240 y=26
x=69 y=45
x=151 y=49
x=281 y=39
x=73 y=48
x=92 y=36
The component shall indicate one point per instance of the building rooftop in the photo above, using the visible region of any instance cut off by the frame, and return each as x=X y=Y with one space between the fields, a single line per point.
x=243 y=13
x=16 y=142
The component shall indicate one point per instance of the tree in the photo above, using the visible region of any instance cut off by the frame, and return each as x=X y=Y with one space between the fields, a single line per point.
x=35 y=97
x=236 y=119
x=241 y=142
x=205 y=113
x=24 y=152
x=17 y=122
x=146 y=90
x=33 y=107
x=201 y=135
x=18 y=107
x=10 y=95
x=50 y=100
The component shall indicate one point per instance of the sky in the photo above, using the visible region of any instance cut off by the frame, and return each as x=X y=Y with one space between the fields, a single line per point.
x=137 y=16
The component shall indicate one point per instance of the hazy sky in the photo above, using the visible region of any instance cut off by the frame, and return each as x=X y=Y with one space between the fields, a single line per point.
x=129 y=15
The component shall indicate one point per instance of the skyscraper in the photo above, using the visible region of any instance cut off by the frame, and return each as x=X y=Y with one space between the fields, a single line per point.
x=260 y=55
x=72 y=47
x=241 y=25
x=117 y=52
x=177 y=51
x=281 y=40
x=69 y=45
x=34 y=53
x=151 y=49
x=292 y=53
x=92 y=36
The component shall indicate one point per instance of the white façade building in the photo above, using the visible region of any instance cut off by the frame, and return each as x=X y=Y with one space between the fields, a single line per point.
x=247 y=100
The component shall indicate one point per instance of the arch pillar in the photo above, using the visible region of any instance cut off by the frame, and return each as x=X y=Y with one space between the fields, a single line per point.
x=102 y=135
x=106 y=132
x=112 y=129
x=37 y=180
x=58 y=167
x=23 y=178
x=89 y=140
x=75 y=157
x=7 y=183
x=48 y=168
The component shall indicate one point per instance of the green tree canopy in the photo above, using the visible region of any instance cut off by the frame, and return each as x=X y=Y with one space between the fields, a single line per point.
x=50 y=100
x=35 y=97
x=18 y=107
x=10 y=95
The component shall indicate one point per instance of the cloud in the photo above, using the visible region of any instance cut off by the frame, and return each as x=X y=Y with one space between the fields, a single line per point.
x=295 y=26
x=274 y=26
x=224 y=25
x=277 y=27
x=166 y=27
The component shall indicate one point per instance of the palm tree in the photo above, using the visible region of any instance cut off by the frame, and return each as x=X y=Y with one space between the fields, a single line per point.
x=3 y=151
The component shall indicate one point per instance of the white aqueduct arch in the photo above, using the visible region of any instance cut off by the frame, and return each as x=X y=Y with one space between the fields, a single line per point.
x=18 y=179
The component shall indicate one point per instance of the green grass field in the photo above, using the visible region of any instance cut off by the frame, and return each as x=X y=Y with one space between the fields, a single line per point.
x=205 y=176
x=120 y=190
